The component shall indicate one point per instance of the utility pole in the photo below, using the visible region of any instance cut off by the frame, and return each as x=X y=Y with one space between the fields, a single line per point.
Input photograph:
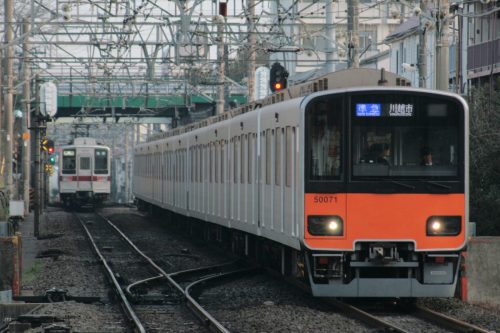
x=422 y=54
x=353 y=33
x=219 y=20
x=330 y=34
x=3 y=177
x=127 y=186
x=38 y=169
x=26 y=118
x=442 y=46
x=9 y=100
x=251 y=48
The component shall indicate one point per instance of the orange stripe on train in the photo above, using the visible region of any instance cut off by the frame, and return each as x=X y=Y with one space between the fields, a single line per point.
x=384 y=217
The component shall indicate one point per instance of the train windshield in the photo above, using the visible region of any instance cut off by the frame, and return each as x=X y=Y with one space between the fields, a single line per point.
x=324 y=120
x=402 y=136
x=101 y=161
x=69 y=161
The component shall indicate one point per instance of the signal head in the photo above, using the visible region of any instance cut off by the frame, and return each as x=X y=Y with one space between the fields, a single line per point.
x=50 y=146
x=278 y=77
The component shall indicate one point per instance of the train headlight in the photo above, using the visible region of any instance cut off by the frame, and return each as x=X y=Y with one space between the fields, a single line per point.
x=444 y=225
x=325 y=225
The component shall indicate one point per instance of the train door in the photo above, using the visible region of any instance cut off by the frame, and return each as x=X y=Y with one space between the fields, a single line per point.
x=101 y=172
x=84 y=170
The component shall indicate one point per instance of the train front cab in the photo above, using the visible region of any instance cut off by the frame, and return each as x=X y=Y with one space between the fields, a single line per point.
x=85 y=175
x=378 y=221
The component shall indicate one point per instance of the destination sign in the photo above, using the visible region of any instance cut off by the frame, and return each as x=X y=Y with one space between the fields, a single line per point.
x=385 y=110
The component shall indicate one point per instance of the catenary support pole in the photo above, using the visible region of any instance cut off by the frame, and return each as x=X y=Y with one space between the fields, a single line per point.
x=353 y=33
x=38 y=183
x=442 y=46
x=220 y=62
x=9 y=97
x=251 y=49
x=422 y=54
x=330 y=34
x=26 y=118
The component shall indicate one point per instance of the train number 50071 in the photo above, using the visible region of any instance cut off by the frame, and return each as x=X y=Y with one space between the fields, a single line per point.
x=325 y=199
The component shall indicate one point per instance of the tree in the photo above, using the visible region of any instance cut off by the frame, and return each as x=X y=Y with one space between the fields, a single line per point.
x=485 y=160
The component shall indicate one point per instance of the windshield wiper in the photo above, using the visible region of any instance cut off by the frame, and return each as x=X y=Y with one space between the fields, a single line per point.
x=438 y=184
x=377 y=179
x=411 y=187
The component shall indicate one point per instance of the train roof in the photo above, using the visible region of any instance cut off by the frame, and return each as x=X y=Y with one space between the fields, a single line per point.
x=85 y=142
x=341 y=81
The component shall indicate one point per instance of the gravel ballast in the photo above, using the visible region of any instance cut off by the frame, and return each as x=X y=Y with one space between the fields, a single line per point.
x=257 y=303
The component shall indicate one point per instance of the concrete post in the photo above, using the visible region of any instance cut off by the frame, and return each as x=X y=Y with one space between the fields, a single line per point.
x=38 y=183
x=353 y=33
x=330 y=34
x=220 y=61
x=9 y=98
x=127 y=186
x=3 y=176
x=251 y=55
x=26 y=119
x=422 y=54
x=442 y=47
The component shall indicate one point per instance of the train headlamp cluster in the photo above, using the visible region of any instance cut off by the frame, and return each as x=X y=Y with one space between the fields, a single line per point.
x=325 y=225
x=444 y=225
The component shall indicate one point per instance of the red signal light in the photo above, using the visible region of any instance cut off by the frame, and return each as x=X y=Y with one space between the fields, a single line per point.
x=277 y=86
x=50 y=150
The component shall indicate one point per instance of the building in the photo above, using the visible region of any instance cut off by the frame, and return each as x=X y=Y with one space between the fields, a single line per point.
x=320 y=31
x=480 y=30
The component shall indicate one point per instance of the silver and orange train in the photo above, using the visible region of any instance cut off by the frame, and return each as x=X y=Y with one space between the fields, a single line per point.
x=365 y=190
x=84 y=173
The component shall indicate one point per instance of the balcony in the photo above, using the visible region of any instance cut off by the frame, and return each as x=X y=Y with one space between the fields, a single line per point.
x=481 y=57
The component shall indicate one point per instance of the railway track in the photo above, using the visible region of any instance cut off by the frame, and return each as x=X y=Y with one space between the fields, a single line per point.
x=411 y=313
x=154 y=288
x=447 y=321
x=404 y=319
x=162 y=289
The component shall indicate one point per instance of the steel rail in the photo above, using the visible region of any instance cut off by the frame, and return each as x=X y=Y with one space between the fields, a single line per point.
x=446 y=321
x=378 y=323
x=206 y=318
x=214 y=269
x=129 y=311
x=128 y=290
x=200 y=312
x=351 y=311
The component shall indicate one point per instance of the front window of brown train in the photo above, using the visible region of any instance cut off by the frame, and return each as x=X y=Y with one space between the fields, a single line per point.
x=405 y=137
